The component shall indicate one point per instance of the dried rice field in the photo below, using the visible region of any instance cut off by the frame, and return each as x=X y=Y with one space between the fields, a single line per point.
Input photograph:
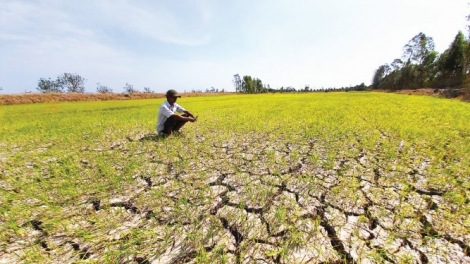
x=291 y=178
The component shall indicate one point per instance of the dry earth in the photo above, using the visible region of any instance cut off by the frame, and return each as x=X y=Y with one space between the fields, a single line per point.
x=459 y=93
x=259 y=199
x=33 y=98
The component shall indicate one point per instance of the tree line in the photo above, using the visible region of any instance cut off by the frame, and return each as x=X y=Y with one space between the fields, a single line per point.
x=74 y=83
x=70 y=82
x=248 y=84
x=422 y=66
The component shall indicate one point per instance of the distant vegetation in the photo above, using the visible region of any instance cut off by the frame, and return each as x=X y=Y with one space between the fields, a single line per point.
x=422 y=66
x=74 y=83
x=251 y=85
x=103 y=88
x=70 y=82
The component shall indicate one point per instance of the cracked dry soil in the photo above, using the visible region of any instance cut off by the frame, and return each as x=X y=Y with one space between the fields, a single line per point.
x=257 y=199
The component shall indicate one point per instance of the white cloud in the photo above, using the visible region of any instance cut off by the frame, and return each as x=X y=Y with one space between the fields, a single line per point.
x=160 y=21
x=46 y=38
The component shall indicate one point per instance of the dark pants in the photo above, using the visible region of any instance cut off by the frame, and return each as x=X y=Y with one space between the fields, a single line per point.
x=172 y=124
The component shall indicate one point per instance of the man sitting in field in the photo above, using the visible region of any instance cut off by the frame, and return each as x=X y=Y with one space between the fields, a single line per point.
x=168 y=120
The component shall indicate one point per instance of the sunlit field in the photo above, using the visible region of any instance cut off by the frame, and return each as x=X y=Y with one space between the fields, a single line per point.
x=272 y=178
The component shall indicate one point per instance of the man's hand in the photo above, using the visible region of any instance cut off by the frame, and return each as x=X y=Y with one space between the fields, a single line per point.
x=189 y=114
x=190 y=117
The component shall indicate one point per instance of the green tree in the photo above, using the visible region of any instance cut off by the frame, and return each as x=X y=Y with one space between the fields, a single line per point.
x=417 y=69
x=73 y=82
x=427 y=70
x=379 y=75
x=49 y=86
x=453 y=63
x=417 y=49
x=248 y=85
x=396 y=64
x=258 y=86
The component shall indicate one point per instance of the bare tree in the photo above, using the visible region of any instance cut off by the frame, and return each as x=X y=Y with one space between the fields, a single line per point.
x=237 y=82
x=103 y=88
x=129 y=88
x=147 y=90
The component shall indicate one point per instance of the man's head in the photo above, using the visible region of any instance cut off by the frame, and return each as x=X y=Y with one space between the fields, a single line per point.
x=172 y=95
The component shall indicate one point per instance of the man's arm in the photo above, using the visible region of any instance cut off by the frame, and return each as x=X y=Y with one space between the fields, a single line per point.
x=189 y=118
x=180 y=109
x=188 y=113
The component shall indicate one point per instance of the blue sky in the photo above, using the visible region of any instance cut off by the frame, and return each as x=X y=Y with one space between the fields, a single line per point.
x=199 y=44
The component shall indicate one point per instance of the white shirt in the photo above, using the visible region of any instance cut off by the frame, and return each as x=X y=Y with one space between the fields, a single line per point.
x=166 y=110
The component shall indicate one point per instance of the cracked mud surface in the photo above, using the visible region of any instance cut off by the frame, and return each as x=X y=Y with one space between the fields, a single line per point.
x=248 y=198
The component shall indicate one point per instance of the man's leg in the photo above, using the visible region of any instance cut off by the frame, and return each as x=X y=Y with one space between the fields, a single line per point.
x=171 y=124
x=168 y=126
x=179 y=124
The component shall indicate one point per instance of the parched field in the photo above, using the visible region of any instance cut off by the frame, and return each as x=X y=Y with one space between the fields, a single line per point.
x=291 y=178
